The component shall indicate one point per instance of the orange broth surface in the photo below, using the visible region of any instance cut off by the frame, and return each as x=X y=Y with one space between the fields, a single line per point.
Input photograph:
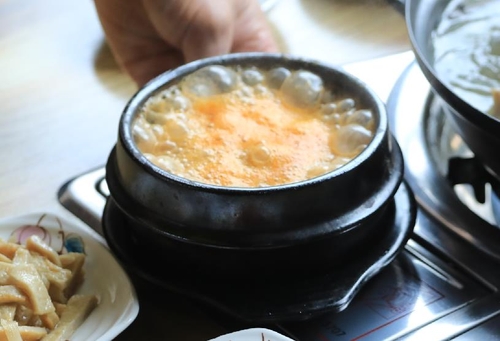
x=290 y=140
x=250 y=127
x=234 y=141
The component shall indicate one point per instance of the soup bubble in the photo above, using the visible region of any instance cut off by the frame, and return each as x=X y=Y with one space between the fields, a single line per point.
x=302 y=89
x=157 y=105
x=261 y=90
x=169 y=164
x=144 y=137
x=318 y=170
x=361 y=117
x=258 y=155
x=329 y=108
x=346 y=105
x=276 y=77
x=252 y=77
x=176 y=128
x=166 y=146
x=156 y=108
x=328 y=96
x=154 y=117
x=179 y=103
x=209 y=81
x=350 y=139
x=157 y=130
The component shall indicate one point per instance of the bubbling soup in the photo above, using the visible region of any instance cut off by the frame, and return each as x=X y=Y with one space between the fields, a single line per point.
x=249 y=127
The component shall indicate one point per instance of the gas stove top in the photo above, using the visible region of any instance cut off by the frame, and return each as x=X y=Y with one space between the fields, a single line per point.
x=444 y=285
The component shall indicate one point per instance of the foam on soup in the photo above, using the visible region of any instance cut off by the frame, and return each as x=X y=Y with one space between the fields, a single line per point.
x=249 y=127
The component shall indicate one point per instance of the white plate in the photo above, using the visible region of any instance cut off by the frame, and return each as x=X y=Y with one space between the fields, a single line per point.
x=253 y=334
x=118 y=305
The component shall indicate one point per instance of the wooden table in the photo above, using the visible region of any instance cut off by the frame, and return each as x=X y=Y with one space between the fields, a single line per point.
x=61 y=95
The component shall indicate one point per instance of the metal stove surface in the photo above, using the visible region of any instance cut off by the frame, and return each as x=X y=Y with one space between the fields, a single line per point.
x=444 y=285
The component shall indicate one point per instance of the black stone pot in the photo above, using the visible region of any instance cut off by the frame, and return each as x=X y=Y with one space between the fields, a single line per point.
x=334 y=214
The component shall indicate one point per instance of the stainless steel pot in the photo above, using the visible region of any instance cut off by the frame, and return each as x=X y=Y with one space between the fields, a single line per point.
x=480 y=131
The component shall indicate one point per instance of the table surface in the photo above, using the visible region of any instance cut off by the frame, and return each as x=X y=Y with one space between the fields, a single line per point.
x=61 y=96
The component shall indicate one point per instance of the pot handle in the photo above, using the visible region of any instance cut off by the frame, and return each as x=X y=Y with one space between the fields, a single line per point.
x=399 y=5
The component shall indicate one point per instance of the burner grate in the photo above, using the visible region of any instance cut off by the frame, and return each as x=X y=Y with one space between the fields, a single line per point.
x=428 y=142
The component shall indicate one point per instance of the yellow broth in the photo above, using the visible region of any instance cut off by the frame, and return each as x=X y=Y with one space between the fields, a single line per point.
x=251 y=135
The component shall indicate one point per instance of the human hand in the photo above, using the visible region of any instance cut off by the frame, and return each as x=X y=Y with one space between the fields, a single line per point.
x=148 y=37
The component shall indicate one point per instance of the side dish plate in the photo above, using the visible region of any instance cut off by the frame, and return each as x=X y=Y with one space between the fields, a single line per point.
x=253 y=334
x=118 y=305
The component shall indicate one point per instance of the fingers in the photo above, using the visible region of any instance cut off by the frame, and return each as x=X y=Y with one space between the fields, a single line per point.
x=253 y=31
x=148 y=37
x=210 y=32
x=147 y=67
x=203 y=28
x=199 y=28
x=135 y=44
